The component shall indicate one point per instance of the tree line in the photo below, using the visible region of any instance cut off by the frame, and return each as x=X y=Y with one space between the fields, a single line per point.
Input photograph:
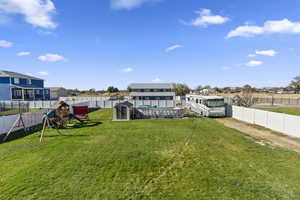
x=181 y=89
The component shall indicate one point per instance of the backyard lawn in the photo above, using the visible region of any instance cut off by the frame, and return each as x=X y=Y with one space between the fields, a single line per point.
x=285 y=110
x=147 y=159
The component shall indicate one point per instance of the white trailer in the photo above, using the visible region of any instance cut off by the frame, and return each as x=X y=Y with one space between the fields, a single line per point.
x=207 y=106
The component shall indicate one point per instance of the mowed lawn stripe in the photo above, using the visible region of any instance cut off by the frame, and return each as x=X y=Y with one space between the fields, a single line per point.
x=147 y=159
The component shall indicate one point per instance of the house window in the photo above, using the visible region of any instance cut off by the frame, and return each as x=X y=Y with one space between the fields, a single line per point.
x=46 y=91
x=16 y=80
x=37 y=92
x=29 y=81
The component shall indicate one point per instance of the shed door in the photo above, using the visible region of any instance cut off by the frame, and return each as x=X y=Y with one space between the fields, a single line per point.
x=122 y=114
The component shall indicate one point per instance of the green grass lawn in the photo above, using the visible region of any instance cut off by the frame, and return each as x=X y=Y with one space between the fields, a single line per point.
x=147 y=159
x=285 y=110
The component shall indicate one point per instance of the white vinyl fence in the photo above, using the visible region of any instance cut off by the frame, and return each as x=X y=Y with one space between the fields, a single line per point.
x=30 y=119
x=283 y=123
x=93 y=103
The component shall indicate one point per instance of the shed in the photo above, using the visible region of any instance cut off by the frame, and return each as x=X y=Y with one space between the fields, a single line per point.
x=123 y=111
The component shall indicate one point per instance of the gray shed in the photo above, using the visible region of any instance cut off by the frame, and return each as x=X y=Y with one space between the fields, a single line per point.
x=123 y=111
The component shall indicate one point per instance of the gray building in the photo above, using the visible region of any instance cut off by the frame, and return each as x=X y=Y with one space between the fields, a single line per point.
x=152 y=91
x=56 y=92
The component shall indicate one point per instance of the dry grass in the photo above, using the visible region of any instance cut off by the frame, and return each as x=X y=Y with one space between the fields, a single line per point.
x=265 y=95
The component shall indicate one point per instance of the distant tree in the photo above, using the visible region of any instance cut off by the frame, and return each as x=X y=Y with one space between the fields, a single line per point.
x=246 y=98
x=218 y=90
x=206 y=87
x=129 y=89
x=181 y=89
x=226 y=89
x=199 y=88
x=92 y=90
x=248 y=88
x=112 y=89
x=295 y=84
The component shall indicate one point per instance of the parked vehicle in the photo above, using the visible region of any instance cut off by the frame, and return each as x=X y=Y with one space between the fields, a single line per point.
x=207 y=106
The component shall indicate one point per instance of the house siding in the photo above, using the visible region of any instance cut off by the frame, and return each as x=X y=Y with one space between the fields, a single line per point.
x=4 y=80
x=7 y=84
x=5 y=93
x=38 y=83
x=152 y=91
x=24 y=83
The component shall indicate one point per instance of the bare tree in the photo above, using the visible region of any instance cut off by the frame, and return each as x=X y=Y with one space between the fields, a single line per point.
x=295 y=84
x=181 y=89
x=246 y=97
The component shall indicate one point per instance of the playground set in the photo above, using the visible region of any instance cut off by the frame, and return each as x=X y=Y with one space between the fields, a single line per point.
x=61 y=116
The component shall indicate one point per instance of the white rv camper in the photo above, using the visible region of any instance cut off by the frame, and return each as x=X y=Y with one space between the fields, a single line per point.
x=207 y=106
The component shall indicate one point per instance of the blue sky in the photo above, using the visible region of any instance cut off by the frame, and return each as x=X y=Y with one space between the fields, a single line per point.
x=94 y=44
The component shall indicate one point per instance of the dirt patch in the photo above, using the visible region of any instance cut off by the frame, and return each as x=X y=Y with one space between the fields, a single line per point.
x=262 y=135
x=96 y=139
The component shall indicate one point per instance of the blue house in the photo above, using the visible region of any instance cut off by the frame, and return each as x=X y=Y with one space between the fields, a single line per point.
x=16 y=86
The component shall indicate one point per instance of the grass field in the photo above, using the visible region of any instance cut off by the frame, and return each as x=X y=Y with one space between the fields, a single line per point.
x=147 y=159
x=285 y=110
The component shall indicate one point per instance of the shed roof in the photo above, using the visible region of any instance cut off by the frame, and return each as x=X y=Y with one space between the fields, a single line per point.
x=126 y=103
x=4 y=73
x=151 y=85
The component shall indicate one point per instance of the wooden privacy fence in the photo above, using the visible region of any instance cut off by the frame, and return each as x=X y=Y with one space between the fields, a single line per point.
x=283 y=123
x=278 y=101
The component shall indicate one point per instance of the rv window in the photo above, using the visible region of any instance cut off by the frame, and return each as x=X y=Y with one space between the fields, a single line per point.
x=215 y=103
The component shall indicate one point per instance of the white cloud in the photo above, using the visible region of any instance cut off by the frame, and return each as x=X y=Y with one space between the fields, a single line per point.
x=6 y=44
x=23 y=53
x=128 y=4
x=206 y=18
x=43 y=73
x=51 y=58
x=269 y=27
x=266 y=52
x=156 y=80
x=263 y=53
x=171 y=48
x=36 y=12
x=252 y=55
x=253 y=63
x=127 y=70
